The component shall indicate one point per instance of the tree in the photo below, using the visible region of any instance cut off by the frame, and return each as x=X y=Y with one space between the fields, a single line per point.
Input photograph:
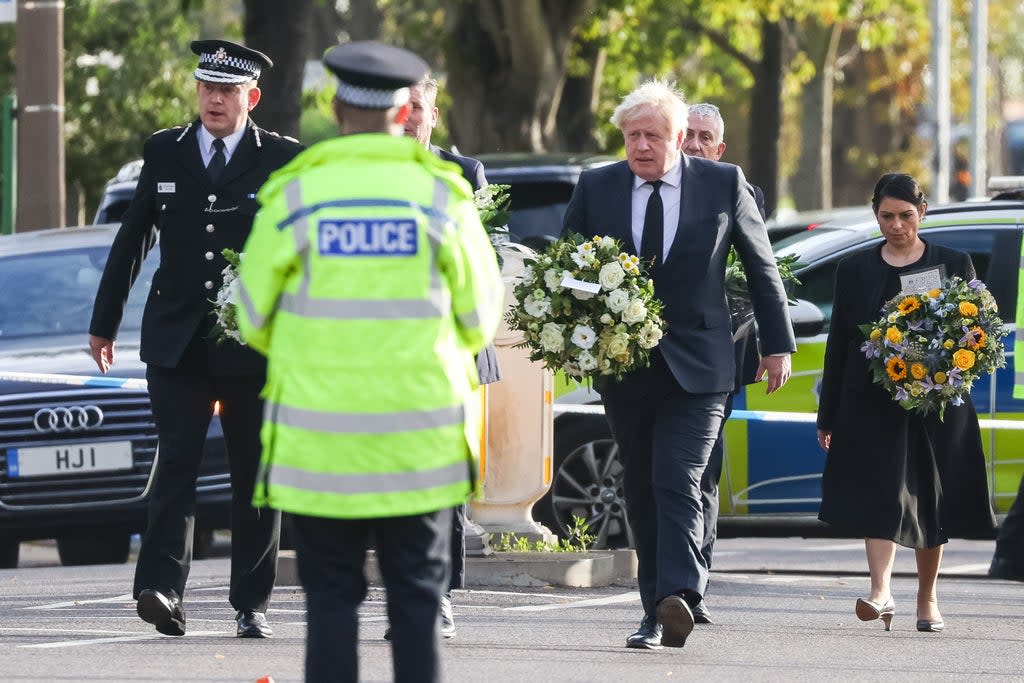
x=507 y=63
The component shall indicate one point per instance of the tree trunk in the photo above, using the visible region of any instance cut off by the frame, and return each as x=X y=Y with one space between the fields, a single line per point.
x=808 y=181
x=506 y=71
x=282 y=30
x=576 y=120
x=766 y=115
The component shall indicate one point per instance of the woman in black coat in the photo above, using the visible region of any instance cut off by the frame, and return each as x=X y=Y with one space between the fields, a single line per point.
x=891 y=475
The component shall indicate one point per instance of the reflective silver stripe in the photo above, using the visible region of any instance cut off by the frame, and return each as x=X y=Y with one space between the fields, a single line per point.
x=365 y=309
x=352 y=484
x=437 y=222
x=250 y=308
x=300 y=232
x=471 y=319
x=368 y=423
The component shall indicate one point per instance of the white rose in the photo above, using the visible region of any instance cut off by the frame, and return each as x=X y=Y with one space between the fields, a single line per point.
x=553 y=279
x=537 y=308
x=617 y=301
x=607 y=242
x=650 y=334
x=634 y=312
x=551 y=337
x=607 y=319
x=584 y=337
x=604 y=366
x=581 y=295
x=586 y=361
x=611 y=275
x=618 y=348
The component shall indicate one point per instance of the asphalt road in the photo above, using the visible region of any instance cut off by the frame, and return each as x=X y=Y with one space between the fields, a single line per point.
x=783 y=611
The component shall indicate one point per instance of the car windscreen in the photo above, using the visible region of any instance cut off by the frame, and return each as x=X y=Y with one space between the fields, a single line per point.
x=537 y=208
x=51 y=293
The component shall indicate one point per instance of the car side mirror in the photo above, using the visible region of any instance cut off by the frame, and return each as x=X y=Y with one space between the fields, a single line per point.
x=807 y=318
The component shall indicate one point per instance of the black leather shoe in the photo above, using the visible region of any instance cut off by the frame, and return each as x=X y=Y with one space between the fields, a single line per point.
x=648 y=636
x=701 y=613
x=253 y=625
x=676 y=620
x=163 y=611
x=447 y=618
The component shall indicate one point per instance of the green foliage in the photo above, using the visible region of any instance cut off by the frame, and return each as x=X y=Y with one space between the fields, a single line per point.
x=127 y=73
x=579 y=541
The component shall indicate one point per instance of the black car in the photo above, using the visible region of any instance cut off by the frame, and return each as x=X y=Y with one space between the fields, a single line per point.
x=77 y=450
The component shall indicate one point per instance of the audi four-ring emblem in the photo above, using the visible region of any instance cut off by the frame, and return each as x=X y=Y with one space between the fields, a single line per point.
x=67 y=419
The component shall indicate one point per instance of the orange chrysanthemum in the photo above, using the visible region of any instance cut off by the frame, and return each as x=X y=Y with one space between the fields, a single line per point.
x=968 y=309
x=964 y=359
x=918 y=371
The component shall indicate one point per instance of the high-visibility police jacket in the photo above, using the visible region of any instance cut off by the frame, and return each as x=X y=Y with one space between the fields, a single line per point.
x=369 y=283
x=1018 y=339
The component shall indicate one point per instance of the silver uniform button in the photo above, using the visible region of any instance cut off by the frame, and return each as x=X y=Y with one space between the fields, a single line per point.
x=209 y=256
x=163 y=207
x=208 y=284
x=212 y=198
x=209 y=228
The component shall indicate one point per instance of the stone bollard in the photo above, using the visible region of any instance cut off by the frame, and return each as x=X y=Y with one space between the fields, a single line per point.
x=516 y=458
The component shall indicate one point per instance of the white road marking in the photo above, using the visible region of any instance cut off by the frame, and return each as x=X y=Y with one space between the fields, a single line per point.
x=965 y=569
x=632 y=596
x=127 y=597
x=121 y=639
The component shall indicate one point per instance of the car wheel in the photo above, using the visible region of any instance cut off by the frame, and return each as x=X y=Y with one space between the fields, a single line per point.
x=587 y=483
x=9 y=549
x=101 y=547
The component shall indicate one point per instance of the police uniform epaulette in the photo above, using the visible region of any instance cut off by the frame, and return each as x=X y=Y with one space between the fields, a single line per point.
x=289 y=138
x=164 y=130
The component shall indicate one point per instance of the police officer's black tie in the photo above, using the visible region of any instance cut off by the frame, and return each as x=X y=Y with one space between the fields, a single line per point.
x=652 y=242
x=216 y=165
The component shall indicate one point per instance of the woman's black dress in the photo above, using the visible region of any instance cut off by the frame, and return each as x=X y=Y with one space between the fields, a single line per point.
x=891 y=473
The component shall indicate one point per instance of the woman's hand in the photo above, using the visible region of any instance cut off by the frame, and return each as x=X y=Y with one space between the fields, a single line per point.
x=824 y=439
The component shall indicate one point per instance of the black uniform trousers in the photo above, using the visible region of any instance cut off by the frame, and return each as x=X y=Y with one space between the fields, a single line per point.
x=182 y=400
x=665 y=435
x=412 y=553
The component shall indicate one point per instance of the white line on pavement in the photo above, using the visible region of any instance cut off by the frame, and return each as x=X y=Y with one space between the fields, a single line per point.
x=632 y=596
x=122 y=639
x=965 y=569
x=127 y=597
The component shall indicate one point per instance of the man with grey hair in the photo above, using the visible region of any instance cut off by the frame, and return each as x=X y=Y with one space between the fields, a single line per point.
x=680 y=214
x=705 y=137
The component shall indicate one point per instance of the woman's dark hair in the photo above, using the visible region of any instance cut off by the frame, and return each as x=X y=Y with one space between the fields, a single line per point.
x=897 y=186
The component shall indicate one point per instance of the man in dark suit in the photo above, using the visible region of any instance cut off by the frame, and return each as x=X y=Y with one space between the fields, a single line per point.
x=705 y=138
x=197 y=190
x=681 y=214
x=420 y=125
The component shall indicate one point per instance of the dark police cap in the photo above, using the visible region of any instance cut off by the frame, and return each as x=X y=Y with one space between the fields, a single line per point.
x=221 y=61
x=373 y=75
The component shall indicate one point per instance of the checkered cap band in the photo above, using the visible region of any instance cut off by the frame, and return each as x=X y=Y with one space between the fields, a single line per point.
x=371 y=98
x=219 y=67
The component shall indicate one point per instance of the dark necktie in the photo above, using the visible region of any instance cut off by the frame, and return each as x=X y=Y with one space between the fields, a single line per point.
x=652 y=242
x=216 y=164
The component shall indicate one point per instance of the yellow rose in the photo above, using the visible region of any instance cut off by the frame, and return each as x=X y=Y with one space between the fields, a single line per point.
x=940 y=378
x=963 y=359
x=875 y=335
x=968 y=309
x=918 y=371
x=934 y=293
x=894 y=335
x=948 y=344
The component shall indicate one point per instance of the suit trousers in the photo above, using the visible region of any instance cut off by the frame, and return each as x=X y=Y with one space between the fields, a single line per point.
x=1010 y=542
x=182 y=399
x=665 y=435
x=412 y=553
x=709 y=487
x=458 y=549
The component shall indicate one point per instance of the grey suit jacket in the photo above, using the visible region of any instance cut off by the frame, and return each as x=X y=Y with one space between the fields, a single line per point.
x=717 y=209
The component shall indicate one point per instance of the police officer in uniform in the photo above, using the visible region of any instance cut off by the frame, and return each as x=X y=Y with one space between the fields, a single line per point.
x=370 y=284
x=197 y=192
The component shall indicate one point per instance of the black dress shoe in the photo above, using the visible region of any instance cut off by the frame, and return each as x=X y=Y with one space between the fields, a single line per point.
x=676 y=620
x=701 y=613
x=648 y=636
x=253 y=625
x=163 y=611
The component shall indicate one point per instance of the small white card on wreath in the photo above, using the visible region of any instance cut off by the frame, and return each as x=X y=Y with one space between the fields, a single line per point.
x=581 y=285
x=919 y=281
